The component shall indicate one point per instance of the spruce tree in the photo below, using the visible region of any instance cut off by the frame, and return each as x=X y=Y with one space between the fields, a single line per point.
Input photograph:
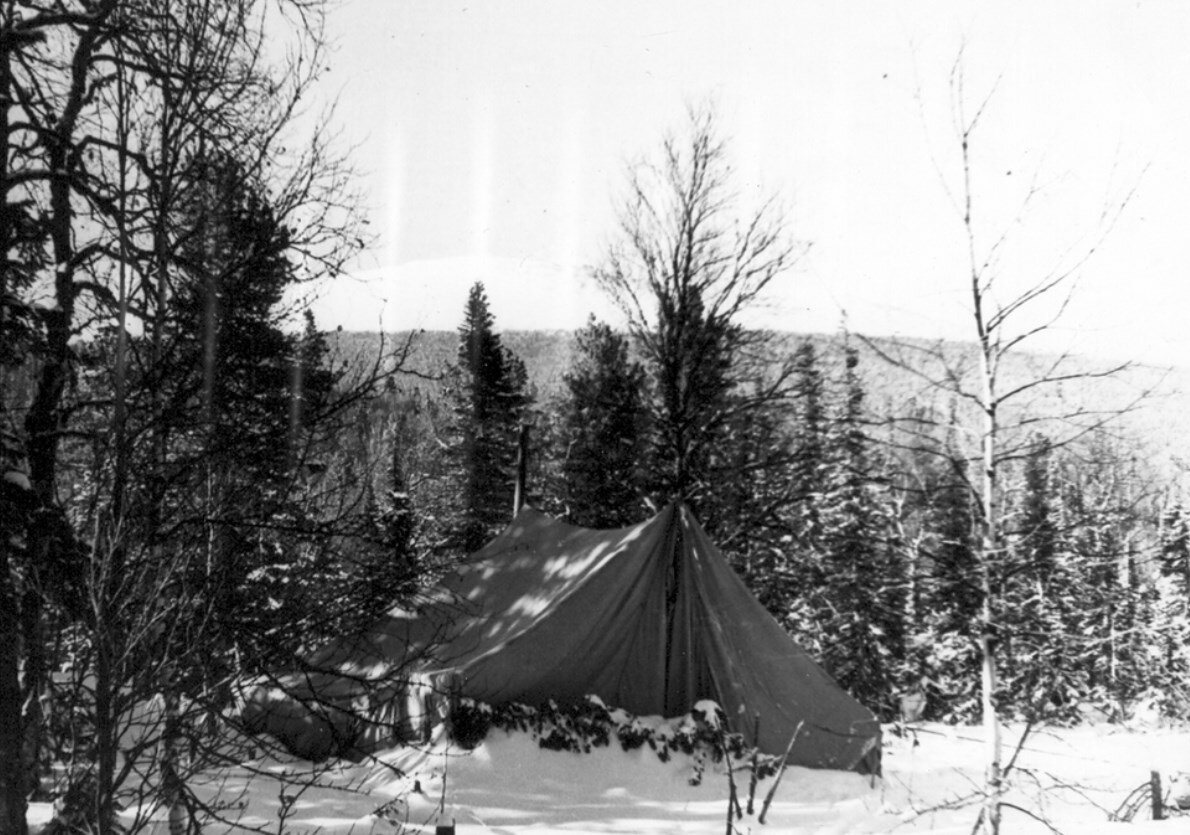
x=808 y=466
x=232 y=367
x=238 y=391
x=956 y=591
x=1041 y=674
x=1037 y=533
x=1175 y=547
x=949 y=596
x=864 y=584
x=789 y=576
x=809 y=462
x=1170 y=649
x=1103 y=527
x=604 y=423
x=387 y=566
x=490 y=399
x=745 y=510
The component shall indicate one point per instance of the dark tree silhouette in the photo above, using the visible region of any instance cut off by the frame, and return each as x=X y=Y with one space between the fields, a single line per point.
x=489 y=391
x=604 y=431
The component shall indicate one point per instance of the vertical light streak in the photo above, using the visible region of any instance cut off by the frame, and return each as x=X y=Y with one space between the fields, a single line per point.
x=483 y=172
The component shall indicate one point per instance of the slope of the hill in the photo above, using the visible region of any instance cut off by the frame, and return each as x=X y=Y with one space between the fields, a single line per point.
x=1155 y=398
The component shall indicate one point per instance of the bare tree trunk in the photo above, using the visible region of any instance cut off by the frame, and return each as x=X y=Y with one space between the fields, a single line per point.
x=991 y=725
x=46 y=417
x=109 y=557
x=105 y=722
x=12 y=775
x=989 y=498
x=171 y=765
x=989 y=551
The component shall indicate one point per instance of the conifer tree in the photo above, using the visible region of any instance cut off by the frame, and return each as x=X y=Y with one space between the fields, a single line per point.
x=864 y=583
x=231 y=364
x=604 y=431
x=236 y=390
x=808 y=464
x=213 y=550
x=748 y=509
x=388 y=565
x=957 y=592
x=1040 y=653
x=489 y=392
x=1112 y=610
x=396 y=521
x=1175 y=547
x=951 y=595
x=1170 y=649
x=1037 y=531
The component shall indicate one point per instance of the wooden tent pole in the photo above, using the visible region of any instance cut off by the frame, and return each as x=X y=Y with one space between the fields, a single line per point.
x=522 y=469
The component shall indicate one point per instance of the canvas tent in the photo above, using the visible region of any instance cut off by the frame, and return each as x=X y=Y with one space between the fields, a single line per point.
x=651 y=618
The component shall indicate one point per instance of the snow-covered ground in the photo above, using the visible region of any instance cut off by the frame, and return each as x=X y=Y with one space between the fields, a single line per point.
x=1071 y=778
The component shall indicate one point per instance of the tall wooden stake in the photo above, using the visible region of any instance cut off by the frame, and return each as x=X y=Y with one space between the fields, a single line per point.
x=1155 y=794
x=522 y=469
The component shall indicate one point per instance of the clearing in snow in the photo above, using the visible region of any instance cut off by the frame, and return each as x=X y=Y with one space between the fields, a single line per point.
x=1070 y=779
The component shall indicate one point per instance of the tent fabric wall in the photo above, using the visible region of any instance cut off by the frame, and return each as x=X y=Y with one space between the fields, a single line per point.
x=651 y=618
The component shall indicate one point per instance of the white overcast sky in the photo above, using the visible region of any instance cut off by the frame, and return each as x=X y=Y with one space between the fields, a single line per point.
x=492 y=138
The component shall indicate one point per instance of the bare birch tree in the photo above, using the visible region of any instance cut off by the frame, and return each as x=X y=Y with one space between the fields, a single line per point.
x=995 y=396
x=689 y=261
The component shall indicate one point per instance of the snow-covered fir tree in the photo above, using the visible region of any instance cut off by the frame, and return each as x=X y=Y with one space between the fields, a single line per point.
x=490 y=398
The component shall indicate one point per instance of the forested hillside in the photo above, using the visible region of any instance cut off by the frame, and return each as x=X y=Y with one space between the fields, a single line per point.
x=1156 y=399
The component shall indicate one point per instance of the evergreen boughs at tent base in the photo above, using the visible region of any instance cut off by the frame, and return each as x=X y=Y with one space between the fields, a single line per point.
x=579 y=728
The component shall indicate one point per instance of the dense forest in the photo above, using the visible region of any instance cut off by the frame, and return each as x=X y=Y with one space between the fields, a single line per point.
x=199 y=485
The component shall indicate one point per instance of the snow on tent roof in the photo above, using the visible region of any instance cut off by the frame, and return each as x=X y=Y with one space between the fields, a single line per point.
x=650 y=618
